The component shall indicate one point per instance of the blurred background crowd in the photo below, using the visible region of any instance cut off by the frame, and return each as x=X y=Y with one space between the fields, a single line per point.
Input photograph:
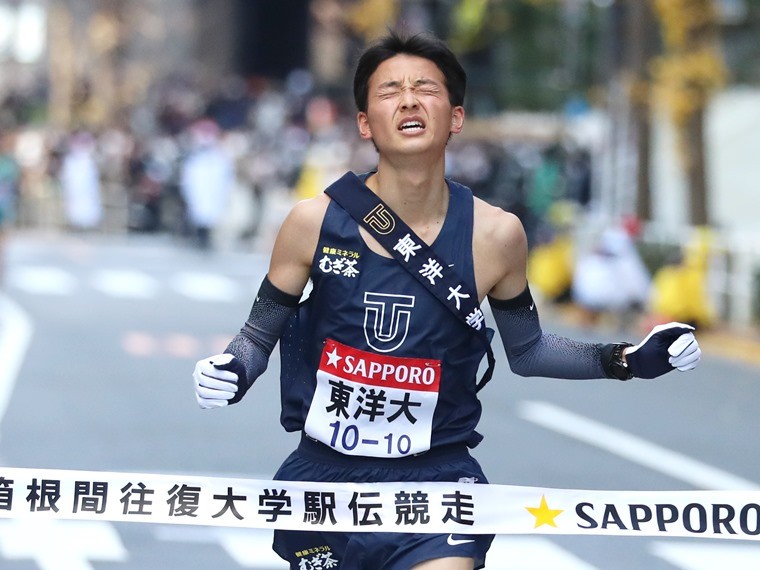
x=623 y=133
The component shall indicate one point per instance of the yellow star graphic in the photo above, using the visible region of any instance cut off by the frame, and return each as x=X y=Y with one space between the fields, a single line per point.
x=543 y=514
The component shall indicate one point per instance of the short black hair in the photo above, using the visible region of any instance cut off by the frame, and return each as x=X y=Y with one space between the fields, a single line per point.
x=420 y=45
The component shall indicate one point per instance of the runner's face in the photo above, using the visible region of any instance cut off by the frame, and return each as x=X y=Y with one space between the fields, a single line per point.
x=408 y=108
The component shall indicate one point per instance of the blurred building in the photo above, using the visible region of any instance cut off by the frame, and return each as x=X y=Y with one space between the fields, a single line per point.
x=96 y=56
x=89 y=59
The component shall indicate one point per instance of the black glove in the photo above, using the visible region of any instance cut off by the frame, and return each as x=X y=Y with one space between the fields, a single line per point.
x=666 y=347
x=220 y=380
x=236 y=366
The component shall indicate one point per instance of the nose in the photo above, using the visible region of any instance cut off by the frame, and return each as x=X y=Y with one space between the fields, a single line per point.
x=408 y=98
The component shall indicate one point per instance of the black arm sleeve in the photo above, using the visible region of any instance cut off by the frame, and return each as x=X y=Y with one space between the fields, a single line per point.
x=256 y=340
x=532 y=352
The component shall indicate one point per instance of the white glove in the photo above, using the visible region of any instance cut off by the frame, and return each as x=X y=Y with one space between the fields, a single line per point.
x=685 y=352
x=214 y=387
x=666 y=347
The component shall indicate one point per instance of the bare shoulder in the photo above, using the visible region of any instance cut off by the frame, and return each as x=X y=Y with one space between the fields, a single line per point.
x=296 y=242
x=500 y=250
x=497 y=226
x=306 y=216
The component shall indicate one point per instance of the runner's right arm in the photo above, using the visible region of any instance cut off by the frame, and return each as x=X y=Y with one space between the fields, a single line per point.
x=223 y=379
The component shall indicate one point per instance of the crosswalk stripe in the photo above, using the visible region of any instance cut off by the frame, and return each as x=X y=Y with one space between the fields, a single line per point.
x=125 y=283
x=42 y=280
x=206 y=287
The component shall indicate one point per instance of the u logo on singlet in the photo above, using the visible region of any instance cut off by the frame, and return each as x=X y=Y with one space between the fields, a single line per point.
x=386 y=320
x=380 y=220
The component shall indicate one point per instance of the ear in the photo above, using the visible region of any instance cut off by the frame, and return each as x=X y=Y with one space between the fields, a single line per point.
x=457 y=119
x=363 y=124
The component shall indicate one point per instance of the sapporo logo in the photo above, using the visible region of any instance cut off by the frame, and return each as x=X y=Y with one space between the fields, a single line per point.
x=380 y=220
x=692 y=518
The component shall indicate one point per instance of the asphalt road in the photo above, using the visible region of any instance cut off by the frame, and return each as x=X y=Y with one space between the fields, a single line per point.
x=103 y=383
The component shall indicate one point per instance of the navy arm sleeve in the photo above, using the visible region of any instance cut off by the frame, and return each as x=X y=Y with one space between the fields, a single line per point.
x=266 y=322
x=532 y=352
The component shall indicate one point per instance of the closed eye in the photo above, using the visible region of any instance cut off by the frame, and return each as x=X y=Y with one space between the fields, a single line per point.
x=420 y=87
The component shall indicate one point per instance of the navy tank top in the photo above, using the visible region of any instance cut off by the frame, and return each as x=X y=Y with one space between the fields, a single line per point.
x=372 y=364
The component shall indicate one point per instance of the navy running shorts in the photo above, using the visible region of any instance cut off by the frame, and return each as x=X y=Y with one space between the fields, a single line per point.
x=314 y=461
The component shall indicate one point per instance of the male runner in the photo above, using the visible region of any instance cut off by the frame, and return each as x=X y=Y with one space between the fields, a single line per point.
x=377 y=374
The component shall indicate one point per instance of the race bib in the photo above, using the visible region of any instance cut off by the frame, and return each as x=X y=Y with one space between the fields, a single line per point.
x=373 y=405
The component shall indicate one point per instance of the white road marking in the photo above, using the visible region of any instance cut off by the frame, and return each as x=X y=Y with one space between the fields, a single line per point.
x=15 y=334
x=125 y=283
x=60 y=545
x=531 y=553
x=206 y=287
x=42 y=280
x=632 y=448
x=695 y=556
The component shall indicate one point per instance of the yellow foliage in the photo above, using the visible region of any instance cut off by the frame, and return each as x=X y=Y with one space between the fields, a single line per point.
x=685 y=81
x=691 y=69
x=697 y=252
x=679 y=292
x=476 y=22
x=550 y=267
x=469 y=17
x=681 y=18
x=371 y=18
x=309 y=183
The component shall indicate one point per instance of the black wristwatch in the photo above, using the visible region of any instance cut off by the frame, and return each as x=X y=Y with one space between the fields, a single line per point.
x=613 y=363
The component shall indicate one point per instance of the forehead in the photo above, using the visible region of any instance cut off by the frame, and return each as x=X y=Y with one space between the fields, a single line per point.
x=404 y=67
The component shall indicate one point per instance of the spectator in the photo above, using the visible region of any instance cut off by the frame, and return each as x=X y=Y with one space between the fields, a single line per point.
x=10 y=175
x=80 y=183
x=206 y=181
x=611 y=279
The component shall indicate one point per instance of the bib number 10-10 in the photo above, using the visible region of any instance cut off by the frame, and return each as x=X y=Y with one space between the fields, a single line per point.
x=347 y=437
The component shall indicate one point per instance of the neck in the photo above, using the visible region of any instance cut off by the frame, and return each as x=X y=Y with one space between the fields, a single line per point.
x=416 y=194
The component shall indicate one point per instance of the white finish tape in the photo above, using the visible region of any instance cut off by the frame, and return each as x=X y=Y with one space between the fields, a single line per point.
x=457 y=508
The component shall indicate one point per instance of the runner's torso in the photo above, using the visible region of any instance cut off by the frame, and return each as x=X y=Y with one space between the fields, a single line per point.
x=380 y=367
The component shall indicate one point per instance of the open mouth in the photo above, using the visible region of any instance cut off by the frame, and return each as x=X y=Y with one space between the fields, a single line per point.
x=411 y=126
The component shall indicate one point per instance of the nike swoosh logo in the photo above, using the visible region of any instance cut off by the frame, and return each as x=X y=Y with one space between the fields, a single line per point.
x=531 y=306
x=456 y=542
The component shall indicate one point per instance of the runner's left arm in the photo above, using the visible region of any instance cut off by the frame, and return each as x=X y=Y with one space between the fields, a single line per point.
x=533 y=352
x=503 y=249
